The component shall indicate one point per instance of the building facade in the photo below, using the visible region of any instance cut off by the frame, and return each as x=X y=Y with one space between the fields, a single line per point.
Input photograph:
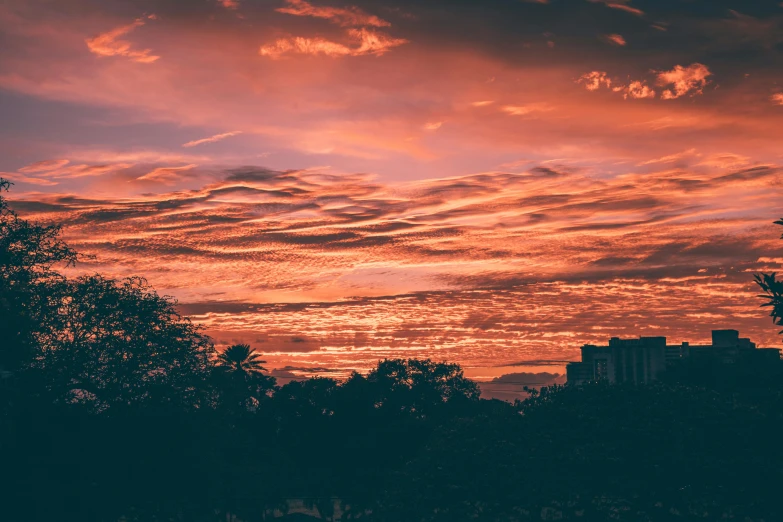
x=643 y=360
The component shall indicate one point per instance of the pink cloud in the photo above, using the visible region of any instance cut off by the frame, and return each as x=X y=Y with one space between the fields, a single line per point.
x=16 y=177
x=777 y=98
x=345 y=16
x=368 y=42
x=108 y=44
x=229 y=4
x=682 y=81
x=211 y=139
x=44 y=166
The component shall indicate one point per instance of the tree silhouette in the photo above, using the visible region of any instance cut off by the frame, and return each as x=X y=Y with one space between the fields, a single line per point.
x=29 y=283
x=773 y=292
x=242 y=359
x=120 y=344
x=240 y=379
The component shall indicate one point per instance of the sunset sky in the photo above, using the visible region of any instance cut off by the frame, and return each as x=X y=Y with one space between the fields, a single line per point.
x=491 y=182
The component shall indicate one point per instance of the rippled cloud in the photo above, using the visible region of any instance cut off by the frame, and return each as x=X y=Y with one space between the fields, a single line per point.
x=501 y=256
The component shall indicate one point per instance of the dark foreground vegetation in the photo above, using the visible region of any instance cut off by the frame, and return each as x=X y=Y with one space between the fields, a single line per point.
x=113 y=407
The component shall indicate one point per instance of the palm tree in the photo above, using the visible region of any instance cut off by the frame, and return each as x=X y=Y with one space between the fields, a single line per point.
x=242 y=359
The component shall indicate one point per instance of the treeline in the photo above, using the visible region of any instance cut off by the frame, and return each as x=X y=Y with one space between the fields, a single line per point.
x=116 y=408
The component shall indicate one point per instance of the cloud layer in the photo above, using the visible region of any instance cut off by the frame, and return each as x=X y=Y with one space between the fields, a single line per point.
x=514 y=265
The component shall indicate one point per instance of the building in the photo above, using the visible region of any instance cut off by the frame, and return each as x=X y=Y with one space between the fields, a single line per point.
x=623 y=360
x=643 y=360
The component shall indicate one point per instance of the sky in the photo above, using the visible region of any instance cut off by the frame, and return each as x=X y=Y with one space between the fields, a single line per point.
x=493 y=183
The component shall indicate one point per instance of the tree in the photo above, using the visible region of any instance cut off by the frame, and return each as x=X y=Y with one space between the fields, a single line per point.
x=29 y=284
x=419 y=387
x=773 y=292
x=241 y=358
x=240 y=379
x=119 y=344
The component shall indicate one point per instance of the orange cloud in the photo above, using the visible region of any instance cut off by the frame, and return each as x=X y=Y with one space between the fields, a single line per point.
x=682 y=81
x=166 y=175
x=595 y=80
x=229 y=4
x=522 y=110
x=346 y=17
x=777 y=98
x=433 y=126
x=615 y=39
x=369 y=42
x=679 y=81
x=107 y=44
x=211 y=139
x=620 y=4
x=63 y=169
x=638 y=90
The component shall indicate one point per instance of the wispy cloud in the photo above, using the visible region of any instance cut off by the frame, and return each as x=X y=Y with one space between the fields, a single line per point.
x=166 y=175
x=523 y=110
x=44 y=166
x=433 y=126
x=109 y=44
x=777 y=98
x=621 y=5
x=212 y=139
x=615 y=39
x=344 y=16
x=366 y=42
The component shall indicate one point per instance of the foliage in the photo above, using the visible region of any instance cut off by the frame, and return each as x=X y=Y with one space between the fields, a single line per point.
x=120 y=344
x=241 y=358
x=773 y=292
x=29 y=283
